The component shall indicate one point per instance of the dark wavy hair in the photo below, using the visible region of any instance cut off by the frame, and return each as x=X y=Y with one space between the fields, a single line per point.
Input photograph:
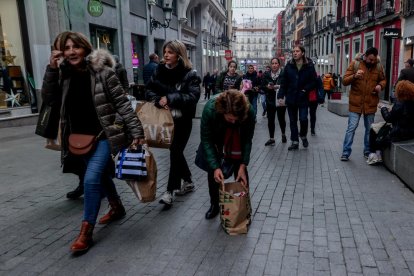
x=233 y=102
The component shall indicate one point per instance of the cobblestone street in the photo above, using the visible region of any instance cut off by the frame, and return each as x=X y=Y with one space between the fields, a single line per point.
x=312 y=215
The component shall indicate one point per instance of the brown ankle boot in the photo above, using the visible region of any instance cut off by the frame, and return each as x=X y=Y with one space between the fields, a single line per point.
x=84 y=240
x=116 y=212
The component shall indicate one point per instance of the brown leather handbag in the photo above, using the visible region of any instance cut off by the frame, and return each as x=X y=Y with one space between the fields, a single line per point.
x=81 y=144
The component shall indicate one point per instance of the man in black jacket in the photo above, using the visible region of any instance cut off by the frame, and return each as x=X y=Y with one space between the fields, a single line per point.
x=121 y=73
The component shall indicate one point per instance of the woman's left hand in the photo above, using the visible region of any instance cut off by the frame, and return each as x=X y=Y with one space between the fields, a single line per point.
x=241 y=176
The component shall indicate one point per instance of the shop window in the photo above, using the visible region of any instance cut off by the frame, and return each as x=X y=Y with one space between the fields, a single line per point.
x=103 y=38
x=13 y=88
x=138 y=59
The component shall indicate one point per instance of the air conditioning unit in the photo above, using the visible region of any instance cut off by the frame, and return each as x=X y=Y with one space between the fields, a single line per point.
x=356 y=20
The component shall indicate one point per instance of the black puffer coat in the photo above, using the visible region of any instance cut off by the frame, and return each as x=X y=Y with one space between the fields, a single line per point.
x=401 y=117
x=180 y=85
x=108 y=97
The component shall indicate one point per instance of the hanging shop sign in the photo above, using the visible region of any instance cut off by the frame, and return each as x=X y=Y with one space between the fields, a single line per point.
x=409 y=40
x=95 y=8
x=392 y=33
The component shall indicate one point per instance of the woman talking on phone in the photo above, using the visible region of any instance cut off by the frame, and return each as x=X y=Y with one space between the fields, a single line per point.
x=93 y=103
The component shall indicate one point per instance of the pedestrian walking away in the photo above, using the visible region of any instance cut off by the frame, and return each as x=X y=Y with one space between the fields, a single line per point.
x=121 y=73
x=313 y=105
x=367 y=79
x=150 y=67
x=270 y=85
x=176 y=86
x=297 y=80
x=85 y=110
x=208 y=83
x=328 y=85
x=227 y=128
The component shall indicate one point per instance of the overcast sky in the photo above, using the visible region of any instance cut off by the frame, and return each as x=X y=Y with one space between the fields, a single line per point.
x=267 y=13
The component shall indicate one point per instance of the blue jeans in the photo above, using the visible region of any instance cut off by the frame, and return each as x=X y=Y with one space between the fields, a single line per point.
x=263 y=101
x=293 y=111
x=253 y=101
x=93 y=183
x=353 y=121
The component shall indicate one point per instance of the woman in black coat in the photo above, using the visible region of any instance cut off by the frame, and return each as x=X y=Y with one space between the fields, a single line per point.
x=270 y=85
x=401 y=116
x=175 y=86
x=297 y=80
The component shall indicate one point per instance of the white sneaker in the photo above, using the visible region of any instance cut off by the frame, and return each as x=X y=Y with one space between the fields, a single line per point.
x=186 y=187
x=372 y=159
x=167 y=198
x=379 y=157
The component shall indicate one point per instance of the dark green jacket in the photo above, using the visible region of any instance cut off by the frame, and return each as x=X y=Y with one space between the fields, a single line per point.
x=213 y=128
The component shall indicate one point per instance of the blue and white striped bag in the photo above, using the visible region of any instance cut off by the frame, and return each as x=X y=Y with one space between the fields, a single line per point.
x=130 y=164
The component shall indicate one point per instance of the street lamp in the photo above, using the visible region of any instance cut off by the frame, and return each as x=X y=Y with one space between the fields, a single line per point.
x=167 y=8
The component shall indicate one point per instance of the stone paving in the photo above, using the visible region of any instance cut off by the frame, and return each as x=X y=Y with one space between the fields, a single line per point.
x=313 y=215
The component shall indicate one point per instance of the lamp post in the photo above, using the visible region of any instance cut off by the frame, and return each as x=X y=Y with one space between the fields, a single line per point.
x=167 y=8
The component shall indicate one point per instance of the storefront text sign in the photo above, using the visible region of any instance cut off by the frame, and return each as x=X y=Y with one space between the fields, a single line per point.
x=392 y=33
x=95 y=8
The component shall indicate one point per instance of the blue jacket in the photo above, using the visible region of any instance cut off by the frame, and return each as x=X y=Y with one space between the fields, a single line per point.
x=149 y=70
x=293 y=81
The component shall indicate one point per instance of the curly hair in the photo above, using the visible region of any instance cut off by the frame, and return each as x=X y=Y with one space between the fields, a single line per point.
x=233 y=102
x=404 y=91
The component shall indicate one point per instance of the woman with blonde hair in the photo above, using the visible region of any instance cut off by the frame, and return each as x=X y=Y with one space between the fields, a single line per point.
x=401 y=116
x=175 y=86
x=227 y=128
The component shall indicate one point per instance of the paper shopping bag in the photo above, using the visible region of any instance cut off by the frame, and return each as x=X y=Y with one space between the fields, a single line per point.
x=158 y=125
x=145 y=190
x=235 y=208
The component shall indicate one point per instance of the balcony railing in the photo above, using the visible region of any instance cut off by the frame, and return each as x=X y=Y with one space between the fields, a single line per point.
x=307 y=31
x=367 y=13
x=299 y=20
x=354 y=18
x=408 y=7
x=383 y=7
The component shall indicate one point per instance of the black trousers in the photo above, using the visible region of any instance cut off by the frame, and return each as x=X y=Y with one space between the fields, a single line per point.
x=271 y=112
x=312 y=114
x=207 y=92
x=178 y=164
x=214 y=187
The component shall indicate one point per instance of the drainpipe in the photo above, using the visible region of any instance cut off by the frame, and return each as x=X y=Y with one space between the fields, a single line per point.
x=120 y=31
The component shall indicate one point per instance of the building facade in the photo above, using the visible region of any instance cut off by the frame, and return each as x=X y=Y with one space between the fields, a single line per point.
x=254 y=43
x=130 y=29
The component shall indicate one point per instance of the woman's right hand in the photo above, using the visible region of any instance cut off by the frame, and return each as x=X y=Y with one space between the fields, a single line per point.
x=218 y=175
x=163 y=102
x=54 y=58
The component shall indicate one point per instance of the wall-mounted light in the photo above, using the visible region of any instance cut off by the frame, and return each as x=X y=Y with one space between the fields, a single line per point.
x=167 y=8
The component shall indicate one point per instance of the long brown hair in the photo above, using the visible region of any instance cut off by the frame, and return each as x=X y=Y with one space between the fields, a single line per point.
x=179 y=48
x=233 y=102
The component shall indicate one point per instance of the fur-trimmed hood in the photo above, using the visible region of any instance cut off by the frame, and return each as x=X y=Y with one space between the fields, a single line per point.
x=99 y=59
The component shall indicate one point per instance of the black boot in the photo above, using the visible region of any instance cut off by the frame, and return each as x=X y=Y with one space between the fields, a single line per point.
x=213 y=211
x=76 y=193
